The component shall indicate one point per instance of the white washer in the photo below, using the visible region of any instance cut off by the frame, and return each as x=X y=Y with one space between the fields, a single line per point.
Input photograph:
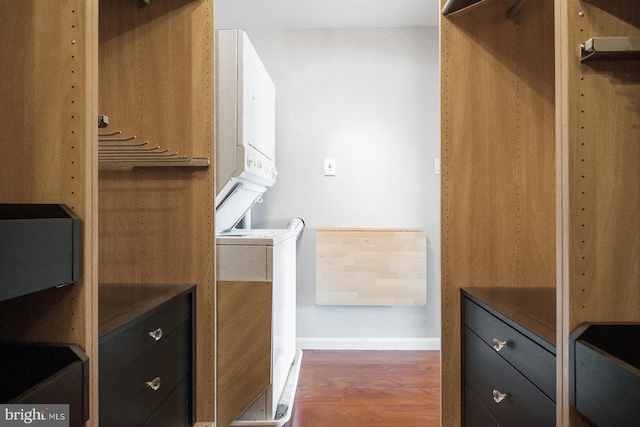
x=268 y=255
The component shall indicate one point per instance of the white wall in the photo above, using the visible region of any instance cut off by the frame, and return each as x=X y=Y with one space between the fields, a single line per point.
x=325 y=14
x=370 y=99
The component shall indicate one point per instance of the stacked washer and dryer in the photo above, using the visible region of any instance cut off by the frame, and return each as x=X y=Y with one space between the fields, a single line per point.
x=245 y=168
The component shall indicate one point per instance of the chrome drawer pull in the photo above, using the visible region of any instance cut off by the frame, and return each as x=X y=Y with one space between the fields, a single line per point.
x=156 y=335
x=154 y=384
x=499 y=397
x=498 y=344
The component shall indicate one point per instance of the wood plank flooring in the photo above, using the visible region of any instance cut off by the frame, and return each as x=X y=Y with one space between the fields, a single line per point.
x=368 y=388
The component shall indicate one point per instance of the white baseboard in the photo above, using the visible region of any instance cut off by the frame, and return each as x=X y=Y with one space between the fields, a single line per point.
x=309 y=343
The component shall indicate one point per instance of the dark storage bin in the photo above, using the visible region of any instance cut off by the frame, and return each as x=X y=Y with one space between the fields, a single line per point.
x=46 y=374
x=605 y=373
x=39 y=248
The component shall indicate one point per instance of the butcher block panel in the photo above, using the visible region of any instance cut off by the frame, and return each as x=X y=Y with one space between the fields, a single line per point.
x=371 y=266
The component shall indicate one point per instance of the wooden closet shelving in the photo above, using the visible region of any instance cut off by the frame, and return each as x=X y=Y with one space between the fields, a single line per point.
x=548 y=198
x=139 y=225
x=156 y=224
x=47 y=113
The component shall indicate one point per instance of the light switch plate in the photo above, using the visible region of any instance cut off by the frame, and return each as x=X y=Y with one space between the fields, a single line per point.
x=329 y=166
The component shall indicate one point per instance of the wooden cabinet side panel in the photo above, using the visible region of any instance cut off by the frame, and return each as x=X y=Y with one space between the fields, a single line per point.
x=244 y=346
x=535 y=136
x=603 y=168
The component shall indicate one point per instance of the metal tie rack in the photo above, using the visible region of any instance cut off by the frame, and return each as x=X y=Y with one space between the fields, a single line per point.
x=116 y=150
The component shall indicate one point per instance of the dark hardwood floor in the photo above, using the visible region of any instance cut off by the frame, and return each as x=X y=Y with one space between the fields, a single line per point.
x=368 y=388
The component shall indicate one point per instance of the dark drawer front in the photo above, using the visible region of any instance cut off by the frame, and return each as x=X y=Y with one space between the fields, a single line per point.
x=120 y=347
x=40 y=248
x=174 y=411
x=533 y=361
x=606 y=391
x=485 y=371
x=127 y=400
x=475 y=414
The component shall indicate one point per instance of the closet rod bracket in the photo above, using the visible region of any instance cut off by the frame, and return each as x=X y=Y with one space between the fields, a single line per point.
x=103 y=121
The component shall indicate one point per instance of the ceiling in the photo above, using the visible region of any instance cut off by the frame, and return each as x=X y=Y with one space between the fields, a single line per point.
x=247 y=14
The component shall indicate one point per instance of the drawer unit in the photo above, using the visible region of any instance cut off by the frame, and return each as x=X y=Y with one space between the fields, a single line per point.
x=509 y=369
x=147 y=355
x=139 y=336
x=532 y=360
x=140 y=388
x=487 y=375
x=475 y=414
x=173 y=411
